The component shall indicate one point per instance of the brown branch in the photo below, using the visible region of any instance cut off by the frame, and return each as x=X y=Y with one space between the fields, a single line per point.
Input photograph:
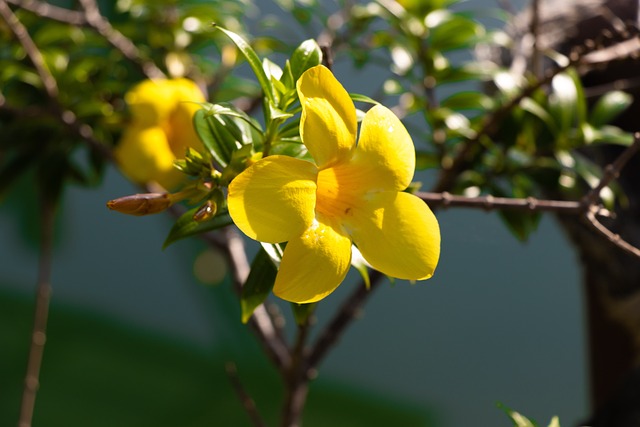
x=67 y=117
x=534 y=28
x=612 y=171
x=118 y=40
x=577 y=58
x=248 y=403
x=49 y=11
x=32 y=51
x=608 y=234
x=460 y=161
x=41 y=315
x=489 y=202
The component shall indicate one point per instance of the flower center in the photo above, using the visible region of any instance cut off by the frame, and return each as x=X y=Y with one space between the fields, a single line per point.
x=336 y=195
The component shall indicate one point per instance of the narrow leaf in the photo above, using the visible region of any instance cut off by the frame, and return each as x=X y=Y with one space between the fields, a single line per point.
x=307 y=55
x=258 y=285
x=609 y=106
x=186 y=226
x=210 y=137
x=254 y=62
x=356 y=97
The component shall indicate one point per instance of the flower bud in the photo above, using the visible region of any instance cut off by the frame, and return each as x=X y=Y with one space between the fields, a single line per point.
x=141 y=204
x=206 y=211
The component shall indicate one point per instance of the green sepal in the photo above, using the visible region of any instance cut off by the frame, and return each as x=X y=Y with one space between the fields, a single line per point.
x=254 y=62
x=307 y=55
x=186 y=226
x=259 y=283
x=301 y=312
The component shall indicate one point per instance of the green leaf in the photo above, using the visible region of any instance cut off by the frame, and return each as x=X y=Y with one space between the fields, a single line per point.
x=531 y=106
x=426 y=160
x=358 y=262
x=307 y=55
x=210 y=136
x=254 y=62
x=518 y=419
x=468 y=101
x=563 y=102
x=356 y=97
x=186 y=226
x=258 y=285
x=604 y=135
x=451 y=31
x=301 y=312
x=608 y=107
x=521 y=224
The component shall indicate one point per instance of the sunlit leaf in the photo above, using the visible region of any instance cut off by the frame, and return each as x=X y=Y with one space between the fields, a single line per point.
x=608 y=107
x=254 y=62
x=307 y=55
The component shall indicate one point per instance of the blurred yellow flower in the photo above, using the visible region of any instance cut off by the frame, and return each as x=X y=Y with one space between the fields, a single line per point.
x=160 y=131
x=352 y=194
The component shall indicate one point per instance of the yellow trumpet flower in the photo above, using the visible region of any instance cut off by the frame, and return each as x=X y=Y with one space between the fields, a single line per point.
x=160 y=131
x=352 y=194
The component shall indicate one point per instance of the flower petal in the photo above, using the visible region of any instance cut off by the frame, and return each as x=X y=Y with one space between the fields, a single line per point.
x=385 y=156
x=180 y=131
x=274 y=199
x=397 y=234
x=328 y=124
x=143 y=154
x=313 y=265
x=151 y=102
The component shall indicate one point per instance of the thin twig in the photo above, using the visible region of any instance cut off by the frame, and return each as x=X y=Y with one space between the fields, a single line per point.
x=41 y=315
x=21 y=33
x=118 y=40
x=448 y=174
x=534 y=28
x=248 y=403
x=334 y=330
x=49 y=11
x=609 y=235
x=577 y=58
x=67 y=117
x=612 y=171
x=489 y=202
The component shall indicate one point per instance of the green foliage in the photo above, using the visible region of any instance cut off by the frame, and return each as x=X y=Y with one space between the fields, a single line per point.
x=187 y=225
x=520 y=420
x=260 y=281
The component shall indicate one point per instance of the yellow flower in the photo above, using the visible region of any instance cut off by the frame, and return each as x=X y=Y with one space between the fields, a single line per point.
x=352 y=194
x=160 y=131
